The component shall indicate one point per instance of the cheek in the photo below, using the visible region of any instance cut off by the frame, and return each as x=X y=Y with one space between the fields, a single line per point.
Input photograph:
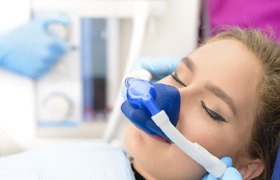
x=220 y=139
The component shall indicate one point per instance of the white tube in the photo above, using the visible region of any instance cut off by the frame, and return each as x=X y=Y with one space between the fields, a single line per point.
x=140 y=19
x=211 y=163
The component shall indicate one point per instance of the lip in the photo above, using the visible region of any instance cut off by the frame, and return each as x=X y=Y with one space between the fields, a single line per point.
x=157 y=138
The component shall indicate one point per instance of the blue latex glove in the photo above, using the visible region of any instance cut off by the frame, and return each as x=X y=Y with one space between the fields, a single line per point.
x=158 y=67
x=230 y=174
x=276 y=169
x=31 y=50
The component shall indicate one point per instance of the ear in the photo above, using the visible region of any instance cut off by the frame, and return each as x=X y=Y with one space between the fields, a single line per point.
x=250 y=169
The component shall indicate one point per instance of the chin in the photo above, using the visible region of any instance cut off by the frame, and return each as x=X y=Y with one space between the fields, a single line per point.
x=143 y=142
x=133 y=140
x=152 y=154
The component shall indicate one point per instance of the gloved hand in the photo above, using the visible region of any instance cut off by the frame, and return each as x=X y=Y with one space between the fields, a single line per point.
x=31 y=50
x=158 y=67
x=230 y=174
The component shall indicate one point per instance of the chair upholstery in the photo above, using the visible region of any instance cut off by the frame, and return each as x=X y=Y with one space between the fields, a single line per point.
x=276 y=171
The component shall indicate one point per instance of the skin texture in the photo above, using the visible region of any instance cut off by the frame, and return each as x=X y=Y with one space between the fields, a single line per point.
x=226 y=64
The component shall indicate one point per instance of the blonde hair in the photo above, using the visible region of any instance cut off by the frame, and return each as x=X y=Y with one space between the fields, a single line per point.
x=265 y=135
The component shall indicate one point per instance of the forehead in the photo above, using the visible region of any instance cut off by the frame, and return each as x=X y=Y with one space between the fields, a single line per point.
x=231 y=66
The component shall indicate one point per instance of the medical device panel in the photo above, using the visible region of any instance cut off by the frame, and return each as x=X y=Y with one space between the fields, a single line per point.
x=75 y=97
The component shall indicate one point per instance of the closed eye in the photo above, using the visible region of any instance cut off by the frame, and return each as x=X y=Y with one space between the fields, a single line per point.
x=174 y=75
x=212 y=114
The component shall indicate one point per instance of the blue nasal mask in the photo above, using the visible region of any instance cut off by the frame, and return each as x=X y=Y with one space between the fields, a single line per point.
x=145 y=100
x=155 y=110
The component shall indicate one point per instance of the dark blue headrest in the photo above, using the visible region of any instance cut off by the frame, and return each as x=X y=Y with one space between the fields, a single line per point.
x=276 y=171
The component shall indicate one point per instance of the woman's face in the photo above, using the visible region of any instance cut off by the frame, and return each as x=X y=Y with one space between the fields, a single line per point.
x=218 y=106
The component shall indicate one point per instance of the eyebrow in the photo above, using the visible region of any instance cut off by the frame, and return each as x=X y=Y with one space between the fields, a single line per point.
x=189 y=63
x=221 y=94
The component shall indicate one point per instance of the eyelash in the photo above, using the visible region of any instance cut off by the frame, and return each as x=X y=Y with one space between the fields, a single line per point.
x=212 y=114
x=215 y=116
x=174 y=75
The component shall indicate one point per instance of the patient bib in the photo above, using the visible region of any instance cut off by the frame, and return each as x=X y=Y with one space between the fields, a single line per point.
x=74 y=161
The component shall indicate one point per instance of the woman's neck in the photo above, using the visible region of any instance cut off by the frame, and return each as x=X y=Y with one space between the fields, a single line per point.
x=141 y=171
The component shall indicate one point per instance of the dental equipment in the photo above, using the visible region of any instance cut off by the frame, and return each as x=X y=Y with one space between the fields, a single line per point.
x=140 y=19
x=141 y=94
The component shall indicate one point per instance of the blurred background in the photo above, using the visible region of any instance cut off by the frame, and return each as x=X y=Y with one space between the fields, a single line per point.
x=75 y=99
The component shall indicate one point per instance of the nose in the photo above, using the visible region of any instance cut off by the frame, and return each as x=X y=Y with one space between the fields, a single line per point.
x=138 y=110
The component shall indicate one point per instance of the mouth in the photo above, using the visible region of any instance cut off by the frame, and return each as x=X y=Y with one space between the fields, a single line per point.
x=159 y=138
x=155 y=137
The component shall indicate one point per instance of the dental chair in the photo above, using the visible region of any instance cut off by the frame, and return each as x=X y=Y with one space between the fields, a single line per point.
x=74 y=161
x=276 y=171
